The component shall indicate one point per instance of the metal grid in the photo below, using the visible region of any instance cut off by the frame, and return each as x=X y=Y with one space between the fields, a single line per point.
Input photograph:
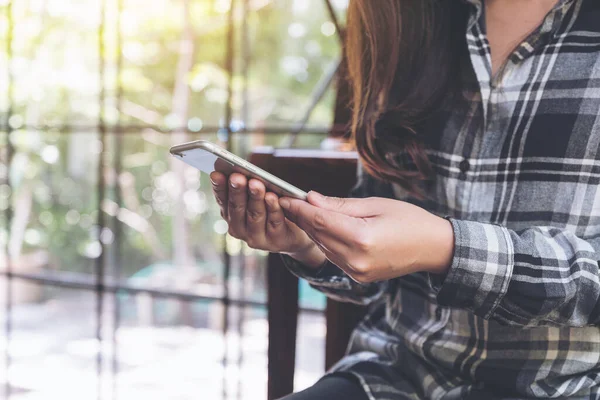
x=104 y=284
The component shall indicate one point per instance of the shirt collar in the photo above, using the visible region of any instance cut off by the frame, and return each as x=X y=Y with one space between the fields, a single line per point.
x=549 y=25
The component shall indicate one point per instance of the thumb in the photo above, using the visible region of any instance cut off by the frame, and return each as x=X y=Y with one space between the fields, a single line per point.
x=351 y=207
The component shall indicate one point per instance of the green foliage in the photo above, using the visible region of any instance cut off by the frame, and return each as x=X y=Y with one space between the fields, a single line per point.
x=58 y=75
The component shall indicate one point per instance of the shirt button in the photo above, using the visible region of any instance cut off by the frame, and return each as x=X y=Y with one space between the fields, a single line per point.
x=464 y=166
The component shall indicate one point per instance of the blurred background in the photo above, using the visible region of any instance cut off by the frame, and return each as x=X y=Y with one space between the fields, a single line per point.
x=117 y=279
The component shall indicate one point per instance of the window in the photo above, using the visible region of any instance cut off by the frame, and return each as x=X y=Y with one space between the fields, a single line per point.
x=116 y=277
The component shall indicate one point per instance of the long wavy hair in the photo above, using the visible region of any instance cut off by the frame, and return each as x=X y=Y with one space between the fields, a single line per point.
x=403 y=62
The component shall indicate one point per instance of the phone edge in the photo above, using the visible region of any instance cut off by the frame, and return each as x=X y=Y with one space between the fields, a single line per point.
x=292 y=190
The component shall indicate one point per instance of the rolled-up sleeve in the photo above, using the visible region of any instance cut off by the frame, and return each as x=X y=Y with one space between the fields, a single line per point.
x=334 y=283
x=537 y=276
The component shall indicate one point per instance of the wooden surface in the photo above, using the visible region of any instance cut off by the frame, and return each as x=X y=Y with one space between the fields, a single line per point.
x=331 y=173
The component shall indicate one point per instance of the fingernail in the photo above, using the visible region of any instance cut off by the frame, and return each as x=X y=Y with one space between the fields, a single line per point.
x=234 y=185
x=284 y=203
x=252 y=189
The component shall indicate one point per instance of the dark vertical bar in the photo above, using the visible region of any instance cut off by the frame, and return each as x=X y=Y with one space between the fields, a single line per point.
x=8 y=211
x=99 y=265
x=118 y=157
x=228 y=115
x=245 y=63
x=229 y=67
x=282 y=306
x=341 y=319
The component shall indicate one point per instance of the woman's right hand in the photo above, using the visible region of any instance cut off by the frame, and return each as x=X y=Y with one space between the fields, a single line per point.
x=255 y=216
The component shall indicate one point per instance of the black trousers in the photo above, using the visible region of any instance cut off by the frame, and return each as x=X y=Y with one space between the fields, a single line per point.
x=332 y=387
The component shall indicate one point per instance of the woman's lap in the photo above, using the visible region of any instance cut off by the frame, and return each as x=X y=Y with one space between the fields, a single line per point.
x=332 y=387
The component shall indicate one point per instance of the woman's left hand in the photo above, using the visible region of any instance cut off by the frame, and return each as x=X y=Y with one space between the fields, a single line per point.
x=374 y=239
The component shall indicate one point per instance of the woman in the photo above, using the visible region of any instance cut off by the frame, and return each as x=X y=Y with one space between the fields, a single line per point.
x=478 y=127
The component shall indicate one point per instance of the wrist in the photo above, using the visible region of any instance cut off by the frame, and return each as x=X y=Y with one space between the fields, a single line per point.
x=311 y=256
x=440 y=247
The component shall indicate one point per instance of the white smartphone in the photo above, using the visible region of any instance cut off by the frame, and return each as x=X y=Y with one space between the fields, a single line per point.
x=208 y=157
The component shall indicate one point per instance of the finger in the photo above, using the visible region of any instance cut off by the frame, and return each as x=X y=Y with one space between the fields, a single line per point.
x=341 y=238
x=219 y=187
x=256 y=212
x=236 y=204
x=275 y=216
x=319 y=222
x=354 y=207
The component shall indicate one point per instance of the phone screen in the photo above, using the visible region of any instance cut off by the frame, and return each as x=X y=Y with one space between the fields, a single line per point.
x=208 y=162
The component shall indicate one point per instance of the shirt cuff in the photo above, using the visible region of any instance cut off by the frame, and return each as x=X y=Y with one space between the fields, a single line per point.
x=328 y=275
x=481 y=269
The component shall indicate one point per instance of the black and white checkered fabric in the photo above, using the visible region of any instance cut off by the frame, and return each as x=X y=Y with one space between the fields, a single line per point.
x=517 y=172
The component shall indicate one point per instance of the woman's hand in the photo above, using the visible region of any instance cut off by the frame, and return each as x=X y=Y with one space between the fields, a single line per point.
x=374 y=239
x=255 y=217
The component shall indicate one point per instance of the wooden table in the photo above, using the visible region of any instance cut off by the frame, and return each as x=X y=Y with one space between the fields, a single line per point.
x=332 y=173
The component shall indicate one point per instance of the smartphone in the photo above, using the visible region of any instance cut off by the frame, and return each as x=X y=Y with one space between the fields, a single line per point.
x=208 y=157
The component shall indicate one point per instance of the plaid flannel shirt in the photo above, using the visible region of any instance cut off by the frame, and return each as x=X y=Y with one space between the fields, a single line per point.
x=517 y=172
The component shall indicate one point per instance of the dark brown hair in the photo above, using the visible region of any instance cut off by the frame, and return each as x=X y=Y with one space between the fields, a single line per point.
x=403 y=59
